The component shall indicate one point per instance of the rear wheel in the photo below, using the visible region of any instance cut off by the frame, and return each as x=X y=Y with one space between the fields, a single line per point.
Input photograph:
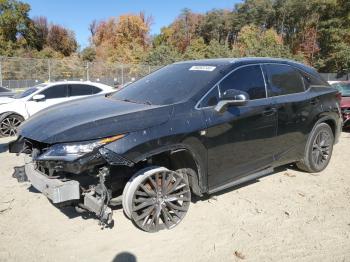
x=318 y=150
x=157 y=198
x=9 y=125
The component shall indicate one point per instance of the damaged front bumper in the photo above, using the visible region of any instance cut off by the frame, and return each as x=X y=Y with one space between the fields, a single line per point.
x=56 y=190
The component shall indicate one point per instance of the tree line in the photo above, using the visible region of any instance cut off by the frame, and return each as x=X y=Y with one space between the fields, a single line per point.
x=316 y=32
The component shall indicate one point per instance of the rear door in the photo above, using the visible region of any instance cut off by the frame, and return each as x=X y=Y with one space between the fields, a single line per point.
x=294 y=105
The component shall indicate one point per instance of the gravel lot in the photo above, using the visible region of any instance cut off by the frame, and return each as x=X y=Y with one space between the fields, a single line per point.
x=287 y=216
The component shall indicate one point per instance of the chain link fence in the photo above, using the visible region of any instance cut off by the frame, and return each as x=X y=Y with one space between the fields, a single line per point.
x=20 y=73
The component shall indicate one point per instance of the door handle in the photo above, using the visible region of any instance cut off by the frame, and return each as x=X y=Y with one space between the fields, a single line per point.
x=270 y=111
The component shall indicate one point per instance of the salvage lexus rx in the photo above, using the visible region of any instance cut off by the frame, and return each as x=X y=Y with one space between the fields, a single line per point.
x=193 y=127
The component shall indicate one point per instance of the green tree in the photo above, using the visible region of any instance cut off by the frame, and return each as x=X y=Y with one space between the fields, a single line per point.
x=162 y=55
x=88 y=54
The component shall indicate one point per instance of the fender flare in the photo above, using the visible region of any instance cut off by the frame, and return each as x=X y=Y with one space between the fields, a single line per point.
x=324 y=119
x=6 y=114
x=201 y=178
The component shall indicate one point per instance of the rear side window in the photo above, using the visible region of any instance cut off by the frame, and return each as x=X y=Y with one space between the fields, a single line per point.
x=80 y=90
x=248 y=79
x=58 y=91
x=283 y=80
x=95 y=90
x=310 y=80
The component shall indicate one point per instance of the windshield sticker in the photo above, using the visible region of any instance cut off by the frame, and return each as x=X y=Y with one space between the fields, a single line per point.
x=203 y=68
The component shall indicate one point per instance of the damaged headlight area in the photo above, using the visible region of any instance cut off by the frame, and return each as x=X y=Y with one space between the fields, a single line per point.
x=74 y=151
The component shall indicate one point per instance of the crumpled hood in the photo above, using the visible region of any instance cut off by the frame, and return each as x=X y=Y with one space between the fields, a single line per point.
x=91 y=118
x=345 y=102
x=6 y=100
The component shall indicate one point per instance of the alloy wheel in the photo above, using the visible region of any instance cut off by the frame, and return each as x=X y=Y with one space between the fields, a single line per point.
x=321 y=149
x=161 y=201
x=8 y=126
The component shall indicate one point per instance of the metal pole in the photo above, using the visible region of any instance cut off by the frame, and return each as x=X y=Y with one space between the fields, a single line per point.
x=87 y=72
x=122 y=74
x=49 y=66
x=0 y=71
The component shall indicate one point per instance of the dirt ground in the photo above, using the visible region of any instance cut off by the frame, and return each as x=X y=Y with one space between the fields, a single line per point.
x=287 y=216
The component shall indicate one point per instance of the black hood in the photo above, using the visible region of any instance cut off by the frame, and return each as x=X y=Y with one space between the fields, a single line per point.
x=91 y=118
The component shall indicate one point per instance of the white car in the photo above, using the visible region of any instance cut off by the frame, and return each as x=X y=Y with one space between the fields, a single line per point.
x=15 y=110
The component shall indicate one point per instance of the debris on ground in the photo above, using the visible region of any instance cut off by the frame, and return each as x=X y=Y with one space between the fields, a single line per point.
x=239 y=255
x=289 y=174
x=8 y=206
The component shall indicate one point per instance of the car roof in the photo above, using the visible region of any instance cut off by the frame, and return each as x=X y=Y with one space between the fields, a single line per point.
x=249 y=60
x=97 y=84
x=227 y=61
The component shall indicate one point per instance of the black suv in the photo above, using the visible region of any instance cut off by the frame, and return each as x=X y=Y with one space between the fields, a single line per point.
x=193 y=127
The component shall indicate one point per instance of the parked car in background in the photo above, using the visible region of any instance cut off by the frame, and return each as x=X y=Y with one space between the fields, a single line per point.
x=4 y=92
x=344 y=89
x=191 y=127
x=13 y=111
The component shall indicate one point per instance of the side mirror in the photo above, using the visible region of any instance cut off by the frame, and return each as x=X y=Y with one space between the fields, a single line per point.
x=38 y=98
x=232 y=97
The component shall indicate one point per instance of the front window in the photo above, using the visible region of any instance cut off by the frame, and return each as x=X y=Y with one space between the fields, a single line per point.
x=170 y=84
x=344 y=88
x=248 y=79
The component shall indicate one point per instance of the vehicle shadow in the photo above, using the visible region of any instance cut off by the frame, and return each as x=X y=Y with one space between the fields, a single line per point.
x=4 y=147
x=124 y=257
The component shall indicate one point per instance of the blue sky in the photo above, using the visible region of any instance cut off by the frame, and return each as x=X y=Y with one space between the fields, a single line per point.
x=78 y=14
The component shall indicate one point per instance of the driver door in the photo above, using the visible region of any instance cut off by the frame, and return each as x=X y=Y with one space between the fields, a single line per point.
x=53 y=95
x=240 y=140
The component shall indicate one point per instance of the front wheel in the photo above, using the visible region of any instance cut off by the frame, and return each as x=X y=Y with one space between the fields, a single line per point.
x=157 y=198
x=318 y=150
x=9 y=125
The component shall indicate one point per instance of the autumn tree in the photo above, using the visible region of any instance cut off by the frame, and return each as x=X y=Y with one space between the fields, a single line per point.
x=124 y=39
x=61 y=40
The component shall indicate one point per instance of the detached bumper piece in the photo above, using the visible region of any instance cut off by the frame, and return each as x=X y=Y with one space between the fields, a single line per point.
x=95 y=200
x=56 y=190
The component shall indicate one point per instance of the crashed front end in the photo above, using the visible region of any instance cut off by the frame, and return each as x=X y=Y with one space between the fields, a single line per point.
x=75 y=173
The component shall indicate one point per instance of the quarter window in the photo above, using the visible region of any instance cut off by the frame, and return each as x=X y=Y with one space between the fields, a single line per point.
x=248 y=79
x=283 y=80
x=81 y=90
x=58 y=91
x=310 y=80
x=211 y=99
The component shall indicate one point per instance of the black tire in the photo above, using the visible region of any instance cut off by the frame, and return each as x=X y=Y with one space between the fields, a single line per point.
x=9 y=125
x=318 y=149
x=157 y=198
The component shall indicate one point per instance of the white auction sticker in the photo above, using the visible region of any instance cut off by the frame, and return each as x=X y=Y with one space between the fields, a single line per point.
x=203 y=68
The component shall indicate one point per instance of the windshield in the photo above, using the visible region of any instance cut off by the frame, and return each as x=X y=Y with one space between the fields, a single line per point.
x=170 y=84
x=29 y=91
x=344 y=88
x=3 y=89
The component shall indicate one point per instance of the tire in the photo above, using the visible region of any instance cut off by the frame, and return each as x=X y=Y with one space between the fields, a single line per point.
x=318 y=149
x=156 y=198
x=9 y=125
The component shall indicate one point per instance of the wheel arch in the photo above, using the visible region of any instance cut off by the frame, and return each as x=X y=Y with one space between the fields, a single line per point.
x=176 y=157
x=329 y=121
x=6 y=114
